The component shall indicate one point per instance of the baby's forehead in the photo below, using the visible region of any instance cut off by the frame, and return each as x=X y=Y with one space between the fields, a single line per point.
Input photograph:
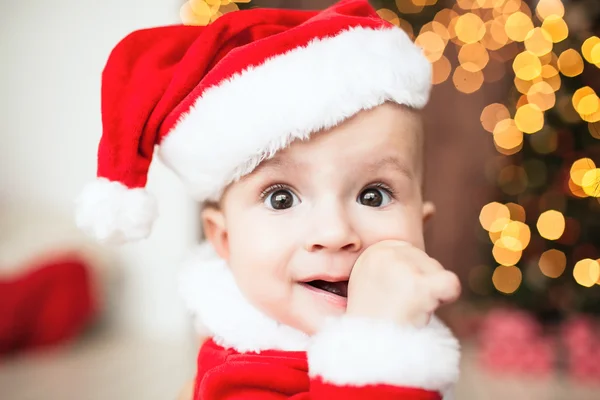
x=388 y=137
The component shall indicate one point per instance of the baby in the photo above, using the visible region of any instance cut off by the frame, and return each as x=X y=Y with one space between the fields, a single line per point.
x=313 y=281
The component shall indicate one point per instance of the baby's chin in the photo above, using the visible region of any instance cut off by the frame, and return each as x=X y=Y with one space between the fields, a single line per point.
x=312 y=314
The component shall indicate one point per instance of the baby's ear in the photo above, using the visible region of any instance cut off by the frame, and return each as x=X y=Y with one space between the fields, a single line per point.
x=215 y=230
x=428 y=211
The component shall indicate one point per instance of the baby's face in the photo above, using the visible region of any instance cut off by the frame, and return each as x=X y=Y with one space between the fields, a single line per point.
x=308 y=213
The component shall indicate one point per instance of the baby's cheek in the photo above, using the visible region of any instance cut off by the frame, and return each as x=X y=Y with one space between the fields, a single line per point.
x=396 y=226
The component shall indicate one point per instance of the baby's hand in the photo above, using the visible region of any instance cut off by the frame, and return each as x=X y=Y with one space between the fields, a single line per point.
x=395 y=281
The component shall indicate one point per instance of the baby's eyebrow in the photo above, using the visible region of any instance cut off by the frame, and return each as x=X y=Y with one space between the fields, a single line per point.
x=390 y=162
x=279 y=163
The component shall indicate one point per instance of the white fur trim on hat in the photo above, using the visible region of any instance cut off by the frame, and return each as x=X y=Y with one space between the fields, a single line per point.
x=113 y=213
x=237 y=124
x=359 y=351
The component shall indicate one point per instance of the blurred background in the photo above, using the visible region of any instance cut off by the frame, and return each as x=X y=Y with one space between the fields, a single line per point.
x=513 y=143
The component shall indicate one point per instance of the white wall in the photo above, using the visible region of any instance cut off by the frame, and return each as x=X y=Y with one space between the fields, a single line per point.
x=52 y=55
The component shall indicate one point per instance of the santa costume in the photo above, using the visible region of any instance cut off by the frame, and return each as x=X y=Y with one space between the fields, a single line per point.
x=286 y=75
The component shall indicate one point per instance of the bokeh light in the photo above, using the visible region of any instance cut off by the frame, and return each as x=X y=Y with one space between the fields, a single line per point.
x=507 y=137
x=492 y=212
x=549 y=8
x=587 y=50
x=594 y=129
x=527 y=66
x=579 y=168
x=586 y=272
x=570 y=63
x=517 y=26
x=556 y=27
x=515 y=237
x=432 y=44
x=538 y=42
x=495 y=36
x=590 y=183
x=389 y=16
x=551 y=76
x=409 y=7
x=507 y=279
x=441 y=70
x=473 y=57
x=505 y=256
x=529 y=118
x=204 y=12
x=469 y=28
x=541 y=95
x=517 y=213
x=467 y=81
x=585 y=101
x=551 y=224
x=552 y=263
x=492 y=114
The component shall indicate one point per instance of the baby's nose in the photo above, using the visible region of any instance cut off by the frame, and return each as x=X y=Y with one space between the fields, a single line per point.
x=333 y=232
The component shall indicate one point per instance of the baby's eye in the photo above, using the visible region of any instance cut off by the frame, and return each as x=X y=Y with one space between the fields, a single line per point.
x=374 y=197
x=281 y=199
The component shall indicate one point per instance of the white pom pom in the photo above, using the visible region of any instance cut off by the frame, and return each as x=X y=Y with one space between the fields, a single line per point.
x=113 y=213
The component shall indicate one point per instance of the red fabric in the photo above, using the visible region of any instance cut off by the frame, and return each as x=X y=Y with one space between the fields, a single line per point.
x=153 y=76
x=49 y=304
x=224 y=374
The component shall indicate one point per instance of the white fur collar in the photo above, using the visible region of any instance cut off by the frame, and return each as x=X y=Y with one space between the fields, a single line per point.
x=427 y=358
x=221 y=310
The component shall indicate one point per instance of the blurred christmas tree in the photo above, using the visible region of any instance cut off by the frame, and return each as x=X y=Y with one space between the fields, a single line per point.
x=543 y=232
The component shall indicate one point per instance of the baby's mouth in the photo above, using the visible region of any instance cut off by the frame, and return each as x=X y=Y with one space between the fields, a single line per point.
x=336 y=288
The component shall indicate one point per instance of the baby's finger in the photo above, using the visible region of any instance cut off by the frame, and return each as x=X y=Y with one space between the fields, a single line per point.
x=444 y=286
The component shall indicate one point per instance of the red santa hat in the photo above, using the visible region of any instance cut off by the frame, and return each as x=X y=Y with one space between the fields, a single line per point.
x=217 y=100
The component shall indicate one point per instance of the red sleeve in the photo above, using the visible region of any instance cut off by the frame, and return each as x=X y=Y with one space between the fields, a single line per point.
x=349 y=359
x=321 y=390
x=279 y=378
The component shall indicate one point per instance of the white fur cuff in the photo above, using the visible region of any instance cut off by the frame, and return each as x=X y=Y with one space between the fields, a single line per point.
x=357 y=351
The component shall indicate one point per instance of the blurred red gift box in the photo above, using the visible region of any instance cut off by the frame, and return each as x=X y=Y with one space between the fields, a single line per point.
x=51 y=302
x=512 y=341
